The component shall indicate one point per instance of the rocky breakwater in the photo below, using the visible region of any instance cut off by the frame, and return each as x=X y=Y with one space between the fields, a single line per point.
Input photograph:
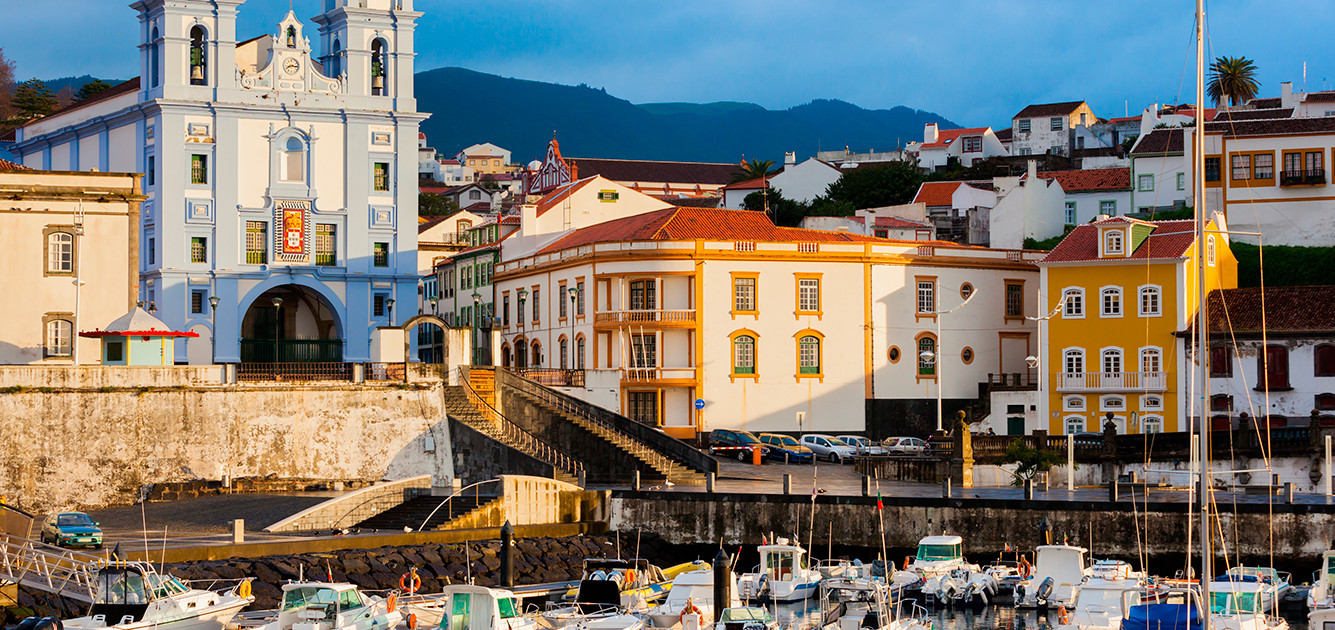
x=537 y=561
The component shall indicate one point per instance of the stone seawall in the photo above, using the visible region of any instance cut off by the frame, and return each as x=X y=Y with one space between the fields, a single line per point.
x=87 y=449
x=537 y=561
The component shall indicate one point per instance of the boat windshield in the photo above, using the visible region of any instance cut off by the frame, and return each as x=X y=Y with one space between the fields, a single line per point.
x=1330 y=570
x=165 y=586
x=1232 y=603
x=940 y=552
x=746 y=614
x=1098 y=598
x=780 y=565
x=309 y=596
x=509 y=607
x=119 y=587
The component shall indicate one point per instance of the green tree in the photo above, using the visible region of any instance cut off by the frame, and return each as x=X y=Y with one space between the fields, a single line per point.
x=754 y=169
x=782 y=211
x=1232 y=81
x=888 y=184
x=91 y=89
x=6 y=87
x=434 y=205
x=1029 y=461
x=32 y=100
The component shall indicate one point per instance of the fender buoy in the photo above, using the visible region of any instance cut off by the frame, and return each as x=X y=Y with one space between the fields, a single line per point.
x=244 y=590
x=411 y=582
x=391 y=603
x=412 y=621
x=1063 y=617
x=907 y=561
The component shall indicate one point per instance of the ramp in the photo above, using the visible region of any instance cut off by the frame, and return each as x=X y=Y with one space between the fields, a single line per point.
x=47 y=568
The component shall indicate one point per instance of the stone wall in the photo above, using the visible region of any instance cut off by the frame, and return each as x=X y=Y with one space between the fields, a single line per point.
x=478 y=457
x=86 y=449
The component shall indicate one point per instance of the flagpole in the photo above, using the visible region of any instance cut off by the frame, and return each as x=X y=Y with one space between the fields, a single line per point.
x=880 y=516
x=811 y=531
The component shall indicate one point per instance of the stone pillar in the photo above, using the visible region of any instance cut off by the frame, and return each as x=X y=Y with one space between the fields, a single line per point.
x=961 y=464
x=1109 y=450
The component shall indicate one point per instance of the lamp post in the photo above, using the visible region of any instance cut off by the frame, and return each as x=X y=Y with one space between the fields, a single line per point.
x=213 y=322
x=78 y=282
x=277 y=324
x=477 y=330
x=389 y=304
x=934 y=358
x=1035 y=362
x=570 y=350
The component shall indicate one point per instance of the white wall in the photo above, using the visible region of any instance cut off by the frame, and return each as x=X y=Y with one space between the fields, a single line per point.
x=806 y=181
x=1034 y=208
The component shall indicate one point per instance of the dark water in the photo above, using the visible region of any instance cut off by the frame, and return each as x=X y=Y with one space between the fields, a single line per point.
x=805 y=616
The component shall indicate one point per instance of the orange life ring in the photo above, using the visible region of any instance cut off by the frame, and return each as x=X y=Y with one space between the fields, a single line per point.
x=690 y=608
x=411 y=582
x=243 y=590
x=1063 y=617
x=412 y=621
x=391 y=603
x=630 y=577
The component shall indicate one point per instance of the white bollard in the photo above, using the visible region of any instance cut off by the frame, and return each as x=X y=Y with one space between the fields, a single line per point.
x=238 y=531
x=1325 y=479
x=1070 y=462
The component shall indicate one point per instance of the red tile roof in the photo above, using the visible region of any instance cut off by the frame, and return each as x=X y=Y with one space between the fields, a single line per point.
x=1320 y=97
x=678 y=224
x=1005 y=134
x=937 y=193
x=6 y=165
x=711 y=173
x=944 y=138
x=893 y=222
x=1253 y=114
x=1159 y=142
x=1049 y=109
x=561 y=193
x=478 y=207
x=1276 y=126
x=1169 y=240
x=1287 y=310
x=1091 y=179
x=1124 y=119
x=750 y=184
x=1266 y=103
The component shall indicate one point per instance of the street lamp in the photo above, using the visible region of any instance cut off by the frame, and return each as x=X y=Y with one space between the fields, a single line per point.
x=213 y=321
x=434 y=302
x=389 y=304
x=1035 y=362
x=933 y=357
x=477 y=328
x=277 y=323
x=570 y=345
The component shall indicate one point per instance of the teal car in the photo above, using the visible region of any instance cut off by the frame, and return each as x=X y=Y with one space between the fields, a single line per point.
x=71 y=529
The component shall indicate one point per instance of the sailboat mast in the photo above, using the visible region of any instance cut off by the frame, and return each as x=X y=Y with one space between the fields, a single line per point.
x=1202 y=354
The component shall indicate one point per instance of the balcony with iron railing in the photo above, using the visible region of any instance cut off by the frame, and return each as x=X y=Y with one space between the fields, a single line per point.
x=645 y=374
x=1308 y=177
x=1096 y=382
x=638 y=317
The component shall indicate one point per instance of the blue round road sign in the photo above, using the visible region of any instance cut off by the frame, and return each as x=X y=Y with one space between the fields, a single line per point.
x=699 y=403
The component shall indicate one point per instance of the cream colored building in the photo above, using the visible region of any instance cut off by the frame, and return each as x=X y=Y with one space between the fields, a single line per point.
x=58 y=229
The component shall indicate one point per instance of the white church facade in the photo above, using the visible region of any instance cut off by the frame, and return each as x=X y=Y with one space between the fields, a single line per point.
x=281 y=175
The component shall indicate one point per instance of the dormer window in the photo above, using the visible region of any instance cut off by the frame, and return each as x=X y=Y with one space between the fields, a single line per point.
x=1113 y=243
x=198 y=57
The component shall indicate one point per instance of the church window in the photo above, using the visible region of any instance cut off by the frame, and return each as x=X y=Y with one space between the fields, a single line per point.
x=294 y=161
x=334 y=65
x=155 y=59
x=198 y=57
x=378 y=67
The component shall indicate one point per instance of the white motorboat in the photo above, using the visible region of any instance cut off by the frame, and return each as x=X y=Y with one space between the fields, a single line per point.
x=1273 y=585
x=960 y=587
x=782 y=576
x=1102 y=604
x=855 y=604
x=1059 y=571
x=692 y=593
x=333 y=606
x=745 y=618
x=605 y=598
x=1321 y=596
x=1233 y=606
x=937 y=556
x=134 y=596
x=468 y=607
x=1241 y=605
x=1114 y=571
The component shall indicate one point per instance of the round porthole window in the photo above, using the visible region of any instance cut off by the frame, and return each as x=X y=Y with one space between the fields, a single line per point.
x=966 y=355
x=966 y=290
x=894 y=354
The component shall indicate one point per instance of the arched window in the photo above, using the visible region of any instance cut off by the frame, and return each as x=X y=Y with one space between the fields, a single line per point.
x=579 y=352
x=293 y=167
x=808 y=355
x=927 y=356
x=1112 y=360
x=1325 y=402
x=744 y=355
x=1151 y=424
x=334 y=66
x=505 y=355
x=1325 y=360
x=1151 y=360
x=379 y=68
x=1073 y=403
x=59 y=338
x=1075 y=424
x=1074 y=361
x=1073 y=307
x=537 y=355
x=1209 y=250
x=1112 y=243
x=199 y=70
x=59 y=253
x=563 y=346
x=521 y=354
x=154 y=59
x=1149 y=301
x=1111 y=298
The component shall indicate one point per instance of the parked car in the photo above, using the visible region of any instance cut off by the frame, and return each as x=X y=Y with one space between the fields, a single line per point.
x=863 y=445
x=736 y=443
x=829 y=447
x=71 y=529
x=783 y=447
x=906 y=445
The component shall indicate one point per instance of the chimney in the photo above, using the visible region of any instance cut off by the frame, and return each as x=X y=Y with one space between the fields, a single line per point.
x=1033 y=170
x=1286 y=96
x=929 y=133
x=790 y=158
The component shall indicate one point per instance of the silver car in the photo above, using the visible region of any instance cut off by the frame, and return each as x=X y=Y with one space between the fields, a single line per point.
x=906 y=445
x=829 y=447
x=863 y=445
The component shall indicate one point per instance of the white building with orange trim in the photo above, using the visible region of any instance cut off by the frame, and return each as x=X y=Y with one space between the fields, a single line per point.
x=763 y=324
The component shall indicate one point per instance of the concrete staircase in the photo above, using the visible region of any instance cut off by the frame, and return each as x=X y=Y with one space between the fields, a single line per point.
x=474 y=404
x=418 y=513
x=654 y=466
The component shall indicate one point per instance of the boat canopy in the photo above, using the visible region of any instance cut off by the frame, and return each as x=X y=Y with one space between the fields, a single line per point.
x=941 y=548
x=333 y=597
x=1234 y=602
x=1162 y=617
x=746 y=613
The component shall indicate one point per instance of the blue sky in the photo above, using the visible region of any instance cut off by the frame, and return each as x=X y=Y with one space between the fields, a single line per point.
x=975 y=62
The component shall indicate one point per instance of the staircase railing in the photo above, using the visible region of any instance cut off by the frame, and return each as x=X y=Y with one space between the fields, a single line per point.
x=51 y=569
x=516 y=435
x=654 y=442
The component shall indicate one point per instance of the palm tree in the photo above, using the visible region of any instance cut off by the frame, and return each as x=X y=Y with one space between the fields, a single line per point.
x=754 y=169
x=1232 y=80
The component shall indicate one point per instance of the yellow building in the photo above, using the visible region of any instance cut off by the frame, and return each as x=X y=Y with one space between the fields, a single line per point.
x=1125 y=287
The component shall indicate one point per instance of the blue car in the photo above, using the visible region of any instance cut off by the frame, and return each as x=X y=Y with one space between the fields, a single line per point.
x=783 y=447
x=71 y=529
